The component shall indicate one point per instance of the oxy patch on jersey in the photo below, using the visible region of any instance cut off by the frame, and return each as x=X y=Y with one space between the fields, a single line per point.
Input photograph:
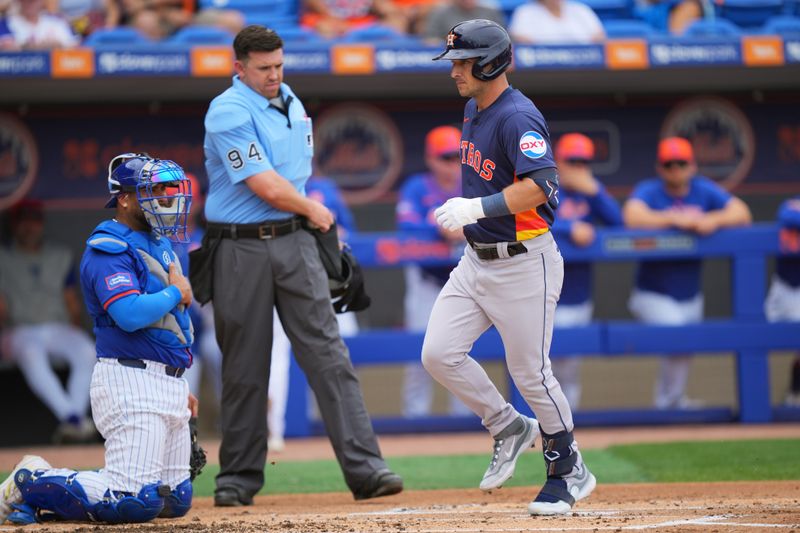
x=532 y=144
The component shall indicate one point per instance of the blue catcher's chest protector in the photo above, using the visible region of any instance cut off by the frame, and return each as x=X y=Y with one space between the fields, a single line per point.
x=152 y=256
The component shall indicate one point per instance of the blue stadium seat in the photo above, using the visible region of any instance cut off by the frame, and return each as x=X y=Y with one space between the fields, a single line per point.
x=270 y=20
x=786 y=26
x=712 y=28
x=202 y=35
x=626 y=28
x=611 y=9
x=123 y=35
x=297 y=34
x=375 y=33
x=749 y=13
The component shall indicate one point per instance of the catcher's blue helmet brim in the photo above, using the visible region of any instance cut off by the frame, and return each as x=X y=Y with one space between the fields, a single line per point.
x=112 y=202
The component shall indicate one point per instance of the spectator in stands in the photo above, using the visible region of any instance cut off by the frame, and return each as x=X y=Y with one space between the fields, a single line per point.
x=325 y=191
x=85 y=16
x=415 y=13
x=7 y=41
x=159 y=19
x=41 y=309
x=448 y=14
x=673 y=16
x=334 y=18
x=555 y=22
x=584 y=203
x=783 y=300
x=36 y=29
x=420 y=196
x=669 y=292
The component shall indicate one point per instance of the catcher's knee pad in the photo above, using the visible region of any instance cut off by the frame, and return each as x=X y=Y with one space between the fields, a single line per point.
x=62 y=495
x=122 y=508
x=559 y=454
x=178 y=502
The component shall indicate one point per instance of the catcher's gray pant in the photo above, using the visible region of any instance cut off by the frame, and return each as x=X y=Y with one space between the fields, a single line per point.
x=250 y=277
x=518 y=295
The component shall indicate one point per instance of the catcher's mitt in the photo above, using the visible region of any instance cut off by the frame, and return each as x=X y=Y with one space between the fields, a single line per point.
x=197 y=460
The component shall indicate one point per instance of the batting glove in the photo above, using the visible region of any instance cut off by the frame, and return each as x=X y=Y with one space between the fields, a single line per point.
x=458 y=212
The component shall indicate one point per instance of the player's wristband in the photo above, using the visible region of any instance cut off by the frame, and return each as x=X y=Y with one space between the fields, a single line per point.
x=495 y=205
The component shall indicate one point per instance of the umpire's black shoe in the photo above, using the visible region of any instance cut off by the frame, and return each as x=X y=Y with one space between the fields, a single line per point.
x=231 y=497
x=382 y=482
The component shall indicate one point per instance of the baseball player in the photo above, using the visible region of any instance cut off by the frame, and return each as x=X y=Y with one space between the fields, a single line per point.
x=511 y=273
x=322 y=190
x=137 y=297
x=783 y=299
x=584 y=203
x=668 y=292
x=39 y=292
x=420 y=195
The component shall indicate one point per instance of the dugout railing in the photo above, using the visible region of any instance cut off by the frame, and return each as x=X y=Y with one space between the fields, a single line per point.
x=746 y=333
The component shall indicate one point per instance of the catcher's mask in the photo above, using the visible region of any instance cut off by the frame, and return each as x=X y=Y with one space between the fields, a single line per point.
x=482 y=39
x=162 y=190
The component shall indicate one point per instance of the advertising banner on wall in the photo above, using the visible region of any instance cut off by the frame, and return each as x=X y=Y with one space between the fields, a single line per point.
x=60 y=154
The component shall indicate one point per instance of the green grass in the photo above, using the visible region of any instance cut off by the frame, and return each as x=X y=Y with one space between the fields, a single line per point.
x=657 y=463
x=640 y=463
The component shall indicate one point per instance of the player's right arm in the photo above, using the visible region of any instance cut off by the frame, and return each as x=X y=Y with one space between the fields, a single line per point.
x=234 y=138
x=118 y=291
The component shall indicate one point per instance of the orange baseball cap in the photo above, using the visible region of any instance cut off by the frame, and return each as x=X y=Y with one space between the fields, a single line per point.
x=675 y=149
x=443 y=140
x=575 y=146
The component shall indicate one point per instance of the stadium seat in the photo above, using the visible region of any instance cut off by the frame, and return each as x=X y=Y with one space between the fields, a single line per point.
x=611 y=9
x=785 y=26
x=297 y=34
x=705 y=28
x=122 y=35
x=375 y=33
x=749 y=13
x=625 y=28
x=202 y=35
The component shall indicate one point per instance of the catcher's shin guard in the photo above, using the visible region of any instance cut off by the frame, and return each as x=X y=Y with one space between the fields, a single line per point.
x=122 y=508
x=178 y=502
x=61 y=495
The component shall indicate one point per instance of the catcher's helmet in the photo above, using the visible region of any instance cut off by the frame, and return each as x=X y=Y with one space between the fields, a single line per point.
x=165 y=209
x=482 y=39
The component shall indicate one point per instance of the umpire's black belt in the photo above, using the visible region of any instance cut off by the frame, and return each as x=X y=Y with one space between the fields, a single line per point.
x=138 y=363
x=489 y=251
x=263 y=230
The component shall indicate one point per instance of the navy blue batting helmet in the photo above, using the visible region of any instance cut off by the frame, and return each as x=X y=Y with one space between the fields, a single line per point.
x=482 y=39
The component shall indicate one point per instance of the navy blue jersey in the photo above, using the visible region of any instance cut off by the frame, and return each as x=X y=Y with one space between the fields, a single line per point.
x=507 y=140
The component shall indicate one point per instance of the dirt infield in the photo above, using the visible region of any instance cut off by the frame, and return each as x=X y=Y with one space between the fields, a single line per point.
x=721 y=507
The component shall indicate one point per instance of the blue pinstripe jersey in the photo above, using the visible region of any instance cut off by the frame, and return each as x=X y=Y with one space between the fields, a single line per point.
x=109 y=277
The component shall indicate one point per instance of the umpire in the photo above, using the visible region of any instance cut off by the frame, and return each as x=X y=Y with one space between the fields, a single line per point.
x=258 y=148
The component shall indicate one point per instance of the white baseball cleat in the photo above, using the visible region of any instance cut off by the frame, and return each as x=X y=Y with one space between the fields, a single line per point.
x=558 y=495
x=9 y=493
x=509 y=444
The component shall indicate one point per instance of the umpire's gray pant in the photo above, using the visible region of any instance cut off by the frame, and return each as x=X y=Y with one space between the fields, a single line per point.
x=250 y=277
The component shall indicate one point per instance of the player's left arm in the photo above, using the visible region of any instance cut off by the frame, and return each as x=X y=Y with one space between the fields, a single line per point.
x=727 y=211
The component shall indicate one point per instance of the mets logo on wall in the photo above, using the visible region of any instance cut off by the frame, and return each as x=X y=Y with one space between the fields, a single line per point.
x=360 y=148
x=721 y=135
x=19 y=160
x=533 y=145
